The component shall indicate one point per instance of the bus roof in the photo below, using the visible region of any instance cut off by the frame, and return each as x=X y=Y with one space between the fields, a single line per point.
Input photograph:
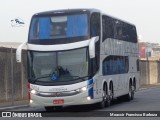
x=67 y=11
x=63 y=11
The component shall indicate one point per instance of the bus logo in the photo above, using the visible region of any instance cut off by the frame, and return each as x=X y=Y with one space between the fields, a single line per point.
x=57 y=89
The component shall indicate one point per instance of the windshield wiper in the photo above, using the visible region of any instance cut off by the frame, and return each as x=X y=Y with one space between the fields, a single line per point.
x=40 y=78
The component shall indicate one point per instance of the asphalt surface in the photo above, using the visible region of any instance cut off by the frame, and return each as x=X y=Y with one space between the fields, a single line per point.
x=147 y=99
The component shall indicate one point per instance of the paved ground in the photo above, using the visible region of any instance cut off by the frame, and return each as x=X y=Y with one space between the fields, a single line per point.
x=147 y=99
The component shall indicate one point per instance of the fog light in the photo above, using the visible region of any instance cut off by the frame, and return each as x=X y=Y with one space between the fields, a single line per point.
x=31 y=101
x=84 y=89
x=88 y=98
x=33 y=91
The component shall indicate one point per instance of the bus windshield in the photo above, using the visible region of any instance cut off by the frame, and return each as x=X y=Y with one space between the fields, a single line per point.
x=59 y=66
x=54 y=27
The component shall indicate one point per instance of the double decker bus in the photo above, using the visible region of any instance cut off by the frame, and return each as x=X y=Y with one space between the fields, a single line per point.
x=80 y=56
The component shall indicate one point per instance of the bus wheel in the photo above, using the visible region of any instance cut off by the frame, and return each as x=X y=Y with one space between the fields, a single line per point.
x=53 y=108
x=108 y=100
x=134 y=85
x=130 y=95
x=132 y=92
x=110 y=95
x=104 y=97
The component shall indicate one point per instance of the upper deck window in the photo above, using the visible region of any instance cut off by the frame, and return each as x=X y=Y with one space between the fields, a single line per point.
x=55 y=27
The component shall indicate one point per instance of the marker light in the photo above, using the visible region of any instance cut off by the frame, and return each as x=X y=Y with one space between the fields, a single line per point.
x=84 y=89
x=31 y=101
x=33 y=91
x=88 y=98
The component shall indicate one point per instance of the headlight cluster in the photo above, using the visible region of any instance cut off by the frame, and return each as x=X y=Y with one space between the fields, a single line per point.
x=83 y=89
x=33 y=92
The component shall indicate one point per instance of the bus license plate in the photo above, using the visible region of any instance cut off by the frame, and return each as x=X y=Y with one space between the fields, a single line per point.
x=58 y=101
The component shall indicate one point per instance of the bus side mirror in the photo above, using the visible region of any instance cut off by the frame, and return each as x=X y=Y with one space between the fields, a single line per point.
x=19 y=52
x=92 y=46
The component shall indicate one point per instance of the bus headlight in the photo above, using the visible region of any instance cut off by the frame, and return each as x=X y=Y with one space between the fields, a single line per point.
x=83 y=89
x=33 y=92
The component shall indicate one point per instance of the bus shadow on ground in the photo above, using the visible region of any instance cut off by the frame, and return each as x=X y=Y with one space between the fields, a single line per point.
x=94 y=107
x=90 y=108
x=84 y=110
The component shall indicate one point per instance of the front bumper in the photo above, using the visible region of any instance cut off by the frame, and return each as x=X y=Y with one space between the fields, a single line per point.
x=79 y=99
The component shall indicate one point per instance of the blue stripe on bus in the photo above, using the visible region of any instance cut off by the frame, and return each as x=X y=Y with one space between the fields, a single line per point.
x=90 y=90
x=90 y=81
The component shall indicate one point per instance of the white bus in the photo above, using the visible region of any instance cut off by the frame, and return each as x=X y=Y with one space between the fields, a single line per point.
x=80 y=56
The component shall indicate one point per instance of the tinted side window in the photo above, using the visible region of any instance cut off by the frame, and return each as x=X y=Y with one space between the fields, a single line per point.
x=115 y=65
x=95 y=24
x=95 y=31
x=117 y=29
x=130 y=33
x=124 y=31
x=133 y=34
x=108 y=27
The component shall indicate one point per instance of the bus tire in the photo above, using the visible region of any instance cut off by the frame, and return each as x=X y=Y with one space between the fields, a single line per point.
x=108 y=99
x=109 y=95
x=130 y=95
x=134 y=84
x=102 y=104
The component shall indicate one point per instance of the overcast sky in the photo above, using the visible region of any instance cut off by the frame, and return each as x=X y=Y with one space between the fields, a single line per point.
x=145 y=14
